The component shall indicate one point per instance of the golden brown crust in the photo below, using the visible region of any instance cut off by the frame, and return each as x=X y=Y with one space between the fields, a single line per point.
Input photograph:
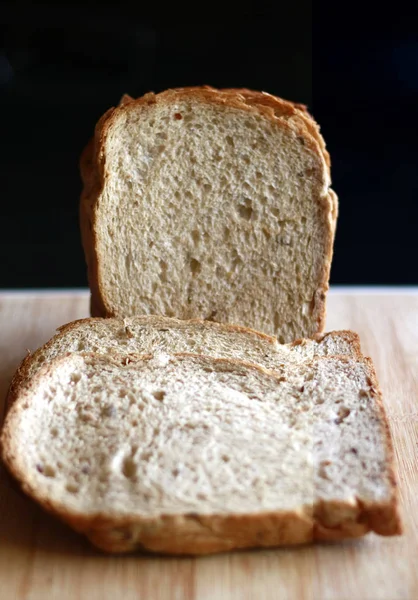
x=285 y=114
x=203 y=534
x=384 y=518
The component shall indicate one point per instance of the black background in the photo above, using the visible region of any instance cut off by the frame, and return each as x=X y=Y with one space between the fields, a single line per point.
x=63 y=65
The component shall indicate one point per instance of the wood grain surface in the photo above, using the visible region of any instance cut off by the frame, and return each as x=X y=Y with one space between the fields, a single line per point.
x=42 y=559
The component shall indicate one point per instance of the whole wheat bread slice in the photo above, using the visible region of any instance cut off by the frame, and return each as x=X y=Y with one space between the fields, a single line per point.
x=147 y=334
x=213 y=204
x=191 y=454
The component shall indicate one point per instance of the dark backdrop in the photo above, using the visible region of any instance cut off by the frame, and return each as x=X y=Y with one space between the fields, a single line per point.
x=64 y=65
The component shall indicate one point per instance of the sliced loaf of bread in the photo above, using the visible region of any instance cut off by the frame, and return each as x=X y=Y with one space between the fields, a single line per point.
x=188 y=454
x=147 y=334
x=212 y=204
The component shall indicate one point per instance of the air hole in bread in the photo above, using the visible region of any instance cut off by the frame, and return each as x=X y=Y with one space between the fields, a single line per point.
x=236 y=260
x=159 y=394
x=72 y=488
x=178 y=116
x=145 y=455
x=75 y=378
x=245 y=209
x=195 y=237
x=109 y=411
x=343 y=413
x=49 y=471
x=129 y=468
x=322 y=471
x=230 y=141
x=195 y=266
x=250 y=124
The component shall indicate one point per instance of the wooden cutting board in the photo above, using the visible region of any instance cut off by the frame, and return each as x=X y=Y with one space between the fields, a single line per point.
x=41 y=559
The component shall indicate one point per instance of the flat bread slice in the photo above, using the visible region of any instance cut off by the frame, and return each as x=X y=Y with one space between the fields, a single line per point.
x=147 y=334
x=188 y=454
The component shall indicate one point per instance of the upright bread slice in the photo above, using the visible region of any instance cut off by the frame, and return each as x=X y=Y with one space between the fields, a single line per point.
x=147 y=334
x=191 y=454
x=212 y=204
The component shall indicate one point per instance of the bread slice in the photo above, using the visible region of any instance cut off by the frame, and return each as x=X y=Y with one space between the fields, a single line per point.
x=212 y=204
x=188 y=454
x=146 y=334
